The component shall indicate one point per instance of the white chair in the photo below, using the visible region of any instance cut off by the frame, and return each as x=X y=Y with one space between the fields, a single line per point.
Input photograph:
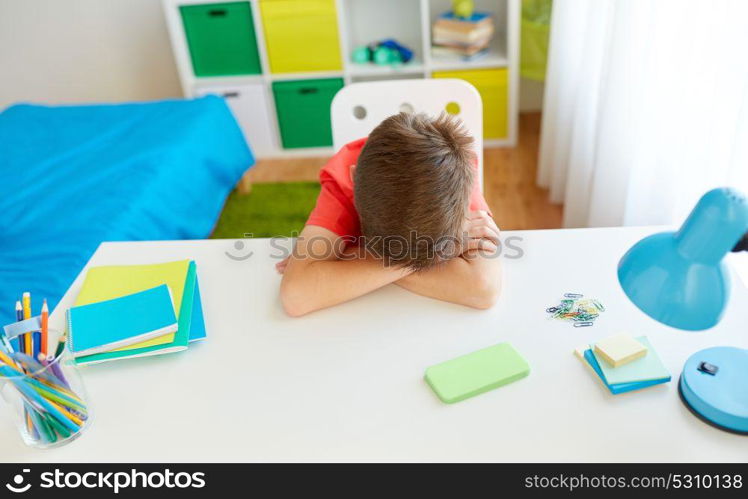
x=359 y=107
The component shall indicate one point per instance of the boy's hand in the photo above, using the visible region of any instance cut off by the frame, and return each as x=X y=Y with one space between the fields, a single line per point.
x=474 y=279
x=482 y=232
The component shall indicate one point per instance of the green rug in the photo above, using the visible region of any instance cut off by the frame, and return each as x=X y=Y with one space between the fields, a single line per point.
x=275 y=209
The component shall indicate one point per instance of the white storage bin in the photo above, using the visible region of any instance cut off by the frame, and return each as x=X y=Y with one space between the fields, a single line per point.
x=249 y=103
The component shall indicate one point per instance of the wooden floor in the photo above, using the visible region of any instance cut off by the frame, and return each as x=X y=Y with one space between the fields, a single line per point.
x=508 y=174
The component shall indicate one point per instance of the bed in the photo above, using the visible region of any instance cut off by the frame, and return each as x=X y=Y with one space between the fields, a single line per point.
x=74 y=176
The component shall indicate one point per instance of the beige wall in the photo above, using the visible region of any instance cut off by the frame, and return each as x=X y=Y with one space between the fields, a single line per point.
x=55 y=51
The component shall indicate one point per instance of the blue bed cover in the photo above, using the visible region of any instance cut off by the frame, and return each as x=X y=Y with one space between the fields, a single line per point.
x=75 y=176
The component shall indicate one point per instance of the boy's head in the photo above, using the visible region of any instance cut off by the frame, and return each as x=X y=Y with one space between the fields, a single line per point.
x=412 y=188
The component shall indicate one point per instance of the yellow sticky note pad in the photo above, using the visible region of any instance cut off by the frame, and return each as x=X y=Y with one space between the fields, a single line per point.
x=620 y=349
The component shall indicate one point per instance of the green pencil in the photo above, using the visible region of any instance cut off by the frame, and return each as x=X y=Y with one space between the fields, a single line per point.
x=42 y=426
x=60 y=345
x=64 y=432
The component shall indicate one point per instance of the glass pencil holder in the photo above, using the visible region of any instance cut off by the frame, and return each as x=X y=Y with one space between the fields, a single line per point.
x=45 y=395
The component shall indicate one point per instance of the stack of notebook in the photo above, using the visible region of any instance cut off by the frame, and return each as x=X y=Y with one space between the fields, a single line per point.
x=467 y=37
x=624 y=364
x=135 y=310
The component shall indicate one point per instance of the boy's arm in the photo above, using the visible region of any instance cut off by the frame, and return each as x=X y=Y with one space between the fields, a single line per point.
x=315 y=277
x=472 y=279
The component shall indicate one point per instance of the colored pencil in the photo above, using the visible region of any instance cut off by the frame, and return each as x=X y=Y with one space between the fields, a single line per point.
x=45 y=327
x=43 y=427
x=30 y=426
x=55 y=395
x=58 y=372
x=6 y=344
x=52 y=393
x=58 y=351
x=5 y=358
x=36 y=342
x=47 y=376
x=22 y=347
x=51 y=409
x=27 y=417
x=67 y=412
x=64 y=432
x=19 y=317
x=60 y=345
x=37 y=399
x=37 y=369
x=27 y=315
x=55 y=368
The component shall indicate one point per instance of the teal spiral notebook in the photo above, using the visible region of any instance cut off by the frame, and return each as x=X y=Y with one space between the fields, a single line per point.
x=110 y=324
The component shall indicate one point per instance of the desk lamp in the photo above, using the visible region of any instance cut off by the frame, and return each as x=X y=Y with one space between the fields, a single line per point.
x=680 y=279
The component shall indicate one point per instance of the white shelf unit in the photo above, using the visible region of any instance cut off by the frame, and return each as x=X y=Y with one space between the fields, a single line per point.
x=359 y=22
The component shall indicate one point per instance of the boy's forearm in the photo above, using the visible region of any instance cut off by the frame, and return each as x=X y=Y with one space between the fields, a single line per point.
x=312 y=285
x=474 y=281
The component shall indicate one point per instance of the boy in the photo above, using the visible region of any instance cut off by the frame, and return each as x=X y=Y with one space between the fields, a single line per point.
x=401 y=206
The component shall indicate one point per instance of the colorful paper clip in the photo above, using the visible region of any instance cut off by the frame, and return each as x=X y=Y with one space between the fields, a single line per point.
x=573 y=307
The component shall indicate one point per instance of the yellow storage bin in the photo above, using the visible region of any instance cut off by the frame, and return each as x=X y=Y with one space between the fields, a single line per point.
x=301 y=35
x=493 y=87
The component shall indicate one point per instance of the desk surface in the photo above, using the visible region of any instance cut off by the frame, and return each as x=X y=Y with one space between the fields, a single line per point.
x=347 y=383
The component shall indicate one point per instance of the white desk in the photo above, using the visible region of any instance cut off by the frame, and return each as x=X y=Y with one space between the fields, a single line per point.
x=347 y=383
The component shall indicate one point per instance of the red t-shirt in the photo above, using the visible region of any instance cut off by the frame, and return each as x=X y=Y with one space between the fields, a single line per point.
x=335 y=210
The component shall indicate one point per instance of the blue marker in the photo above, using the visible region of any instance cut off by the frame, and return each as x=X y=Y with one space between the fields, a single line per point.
x=36 y=342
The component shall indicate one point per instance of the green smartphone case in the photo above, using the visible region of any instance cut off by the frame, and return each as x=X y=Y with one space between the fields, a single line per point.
x=476 y=373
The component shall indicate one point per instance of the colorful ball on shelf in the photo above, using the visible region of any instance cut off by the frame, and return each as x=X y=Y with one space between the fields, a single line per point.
x=463 y=8
x=361 y=55
x=386 y=52
x=385 y=55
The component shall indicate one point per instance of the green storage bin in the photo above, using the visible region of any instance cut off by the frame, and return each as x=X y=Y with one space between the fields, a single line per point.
x=221 y=38
x=303 y=108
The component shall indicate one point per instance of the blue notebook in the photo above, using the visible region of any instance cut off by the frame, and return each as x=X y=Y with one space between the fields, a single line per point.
x=475 y=17
x=106 y=325
x=197 y=327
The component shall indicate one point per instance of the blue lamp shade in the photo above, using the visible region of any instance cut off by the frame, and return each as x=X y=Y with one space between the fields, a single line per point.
x=679 y=278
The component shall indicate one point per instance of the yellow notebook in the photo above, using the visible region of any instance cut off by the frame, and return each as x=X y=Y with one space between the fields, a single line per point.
x=112 y=281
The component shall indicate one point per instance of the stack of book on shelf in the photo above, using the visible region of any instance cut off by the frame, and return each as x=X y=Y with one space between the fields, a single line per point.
x=464 y=37
x=126 y=311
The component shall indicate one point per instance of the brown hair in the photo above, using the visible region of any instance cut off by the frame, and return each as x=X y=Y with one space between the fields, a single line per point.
x=412 y=187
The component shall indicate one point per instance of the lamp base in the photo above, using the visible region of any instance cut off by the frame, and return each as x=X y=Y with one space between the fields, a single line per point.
x=713 y=387
x=704 y=419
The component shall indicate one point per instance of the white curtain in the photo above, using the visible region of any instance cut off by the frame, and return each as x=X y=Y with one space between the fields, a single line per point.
x=646 y=107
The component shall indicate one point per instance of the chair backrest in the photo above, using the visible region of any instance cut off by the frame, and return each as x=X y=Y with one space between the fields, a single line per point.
x=359 y=107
